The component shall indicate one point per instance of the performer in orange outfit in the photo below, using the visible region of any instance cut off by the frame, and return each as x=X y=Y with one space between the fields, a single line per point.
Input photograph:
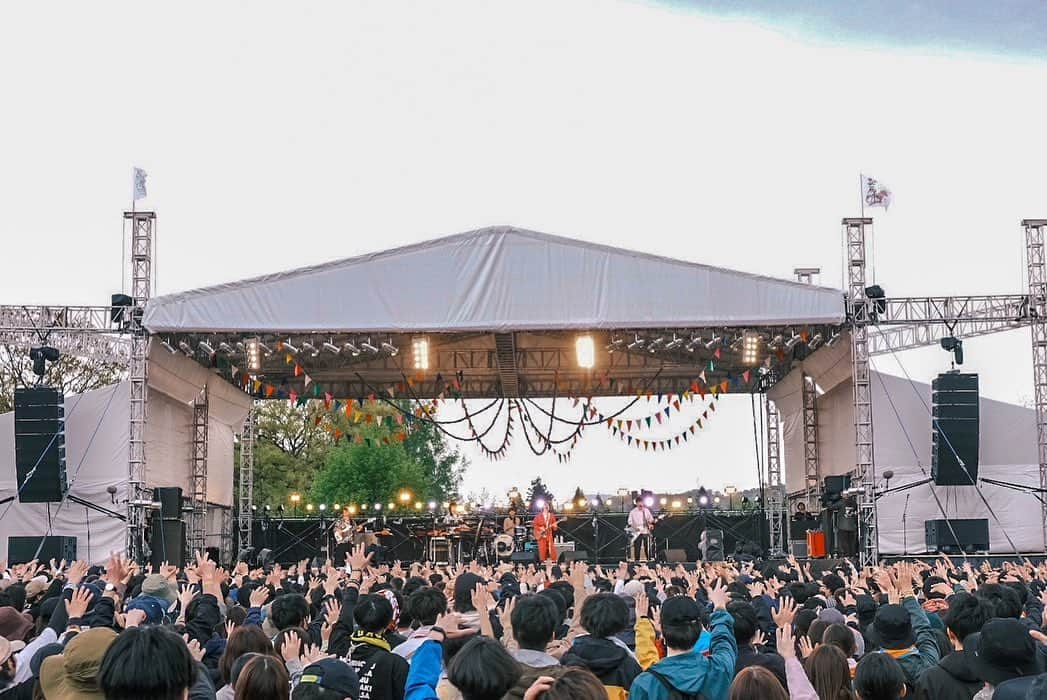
x=544 y=526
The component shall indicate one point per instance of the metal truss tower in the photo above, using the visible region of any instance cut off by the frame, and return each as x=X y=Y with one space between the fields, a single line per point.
x=198 y=467
x=246 y=486
x=777 y=518
x=812 y=470
x=1034 y=240
x=860 y=316
x=141 y=289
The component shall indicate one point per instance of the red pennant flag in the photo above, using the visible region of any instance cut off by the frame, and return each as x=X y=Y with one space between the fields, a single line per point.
x=629 y=424
x=716 y=353
x=659 y=417
x=297 y=370
x=699 y=425
x=294 y=397
x=677 y=439
x=745 y=376
x=723 y=385
x=694 y=386
x=676 y=404
x=269 y=390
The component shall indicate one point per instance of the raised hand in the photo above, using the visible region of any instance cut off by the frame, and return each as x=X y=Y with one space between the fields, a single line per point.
x=786 y=612
x=806 y=648
x=357 y=560
x=786 y=645
x=717 y=595
x=194 y=648
x=643 y=605
x=135 y=617
x=259 y=596
x=292 y=646
x=78 y=605
x=505 y=615
x=76 y=573
x=536 y=689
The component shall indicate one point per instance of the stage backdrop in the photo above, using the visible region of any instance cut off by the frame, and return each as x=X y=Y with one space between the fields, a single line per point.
x=902 y=438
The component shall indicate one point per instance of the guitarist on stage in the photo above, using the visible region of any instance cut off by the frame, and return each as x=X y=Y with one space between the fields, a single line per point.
x=544 y=526
x=640 y=522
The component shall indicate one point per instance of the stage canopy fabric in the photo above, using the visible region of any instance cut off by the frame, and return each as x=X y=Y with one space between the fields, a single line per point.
x=496 y=279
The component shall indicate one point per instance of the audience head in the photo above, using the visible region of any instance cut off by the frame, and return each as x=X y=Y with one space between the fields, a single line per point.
x=263 y=678
x=243 y=640
x=327 y=679
x=576 y=684
x=373 y=613
x=483 y=670
x=289 y=610
x=745 y=622
x=604 y=615
x=1003 y=600
x=535 y=619
x=147 y=662
x=76 y=669
x=879 y=677
x=681 y=621
x=829 y=673
x=757 y=682
x=426 y=604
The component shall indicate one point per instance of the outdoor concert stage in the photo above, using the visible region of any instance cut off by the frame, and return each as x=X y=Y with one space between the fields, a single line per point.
x=601 y=537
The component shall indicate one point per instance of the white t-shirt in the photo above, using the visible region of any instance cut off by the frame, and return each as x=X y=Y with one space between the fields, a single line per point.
x=639 y=517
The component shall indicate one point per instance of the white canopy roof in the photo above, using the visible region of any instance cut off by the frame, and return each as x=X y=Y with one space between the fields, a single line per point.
x=496 y=279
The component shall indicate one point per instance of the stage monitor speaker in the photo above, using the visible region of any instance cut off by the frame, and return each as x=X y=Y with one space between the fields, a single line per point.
x=576 y=555
x=40 y=445
x=798 y=548
x=972 y=535
x=710 y=544
x=170 y=498
x=167 y=541
x=954 y=430
x=24 y=549
x=524 y=557
x=676 y=556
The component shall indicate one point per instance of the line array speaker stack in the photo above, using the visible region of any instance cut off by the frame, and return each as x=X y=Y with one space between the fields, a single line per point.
x=21 y=550
x=710 y=544
x=167 y=535
x=954 y=447
x=40 y=445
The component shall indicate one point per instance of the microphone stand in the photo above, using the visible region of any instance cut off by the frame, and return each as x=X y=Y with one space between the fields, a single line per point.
x=905 y=533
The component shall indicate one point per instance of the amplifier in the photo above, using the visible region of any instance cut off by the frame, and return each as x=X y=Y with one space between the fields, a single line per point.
x=972 y=535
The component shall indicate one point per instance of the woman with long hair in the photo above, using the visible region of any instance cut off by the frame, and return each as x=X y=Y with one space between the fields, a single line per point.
x=756 y=682
x=263 y=678
x=829 y=673
x=243 y=640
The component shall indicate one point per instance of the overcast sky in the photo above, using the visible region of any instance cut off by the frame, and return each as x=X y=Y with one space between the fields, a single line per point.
x=280 y=135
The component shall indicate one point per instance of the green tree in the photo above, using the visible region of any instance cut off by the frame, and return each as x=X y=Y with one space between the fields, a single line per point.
x=537 y=490
x=70 y=374
x=367 y=473
x=427 y=446
x=578 y=500
x=291 y=447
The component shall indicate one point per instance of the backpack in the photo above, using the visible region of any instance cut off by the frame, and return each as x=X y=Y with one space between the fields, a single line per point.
x=671 y=689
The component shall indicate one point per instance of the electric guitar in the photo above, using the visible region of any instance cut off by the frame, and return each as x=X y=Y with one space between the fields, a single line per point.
x=541 y=532
x=633 y=533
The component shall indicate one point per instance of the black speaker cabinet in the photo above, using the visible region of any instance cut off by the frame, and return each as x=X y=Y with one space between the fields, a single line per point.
x=577 y=555
x=40 y=445
x=710 y=544
x=170 y=498
x=524 y=557
x=972 y=535
x=167 y=541
x=954 y=429
x=24 y=549
x=676 y=556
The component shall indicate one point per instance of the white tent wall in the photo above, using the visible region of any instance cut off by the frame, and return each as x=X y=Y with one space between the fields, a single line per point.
x=96 y=439
x=902 y=439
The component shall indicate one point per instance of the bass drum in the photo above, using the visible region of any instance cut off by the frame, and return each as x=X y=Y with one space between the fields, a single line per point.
x=504 y=546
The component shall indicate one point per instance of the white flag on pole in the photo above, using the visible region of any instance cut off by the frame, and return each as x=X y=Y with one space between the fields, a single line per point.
x=875 y=194
x=139 y=186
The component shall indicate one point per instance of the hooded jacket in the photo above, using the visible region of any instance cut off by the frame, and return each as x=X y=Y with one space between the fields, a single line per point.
x=951 y=679
x=610 y=662
x=692 y=672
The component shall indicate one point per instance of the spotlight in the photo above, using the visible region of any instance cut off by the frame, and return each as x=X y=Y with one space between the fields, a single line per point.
x=186 y=348
x=432 y=505
x=336 y=506
x=833 y=340
x=955 y=346
x=815 y=341
x=226 y=348
x=704 y=500
x=368 y=347
x=776 y=341
x=581 y=503
x=663 y=500
x=118 y=304
x=289 y=348
x=595 y=502
x=692 y=343
x=390 y=348
x=420 y=351
x=254 y=508
x=566 y=506
x=268 y=508
x=750 y=348
x=539 y=503
x=352 y=510
x=417 y=505
x=677 y=505
x=323 y=507
x=295 y=498
x=653 y=346
x=206 y=347
x=392 y=506
x=615 y=343
x=168 y=347
x=713 y=342
x=310 y=348
x=309 y=507
x=405 y=496
x=636 y=344
x=674 y=343
x=254 y=355
x=585 y=351
x=377 y=506
x=792 y=342
x=349 y=347
x=331 y=348
x=648 y=501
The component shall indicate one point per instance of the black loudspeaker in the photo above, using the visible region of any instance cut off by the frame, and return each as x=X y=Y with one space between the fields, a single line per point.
x=676 y=556
x=710 y=544
x=835 y=485
x=24 y=549
x=972 y=535
x=167 y=541
x=40 y=445
x=954 y=430
x=213 y=554
x=170 y=498
x=524 y=557
x=577 y=555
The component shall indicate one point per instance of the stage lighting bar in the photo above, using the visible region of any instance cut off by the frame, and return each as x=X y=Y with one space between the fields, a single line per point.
x=226 y=348
x=254 y=355
x=833 y=340
x=366 y=345
x=674 y=343
x=331 y=348
x=751 y=349
x=206 y=347
x=352 y=349
x=653 y=346
x=420 y=352
x=615 y=343
x=287 y=347
x=168 y=347
x=815 y=341
x=792 y=342
x=693 y=343
x=713 y=342
x=585 y=351
x=777 y=341
x=390 y=348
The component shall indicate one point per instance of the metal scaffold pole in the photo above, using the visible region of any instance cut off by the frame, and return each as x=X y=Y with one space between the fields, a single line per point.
x=246 y=486
x=812 y=470
x=1037 y=308
x=198 y=464
x=141 y=289
x=776 y=516
x=860 y=315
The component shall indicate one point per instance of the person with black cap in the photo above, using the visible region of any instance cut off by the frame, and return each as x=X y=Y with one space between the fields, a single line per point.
x=382 y=674
x=685 y=671
x=902 y=629
x=327 y=679
x=1003 y=655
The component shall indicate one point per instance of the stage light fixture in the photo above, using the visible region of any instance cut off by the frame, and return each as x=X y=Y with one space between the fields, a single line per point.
x=310 y=348
x=652 y=347
x=539 y=503
x=254 y=508
x=751 y=349
x=432 y=505
x=287 y=347
x=352 y=510
x=636 y=344
x=833 y=340
x=168 y=347
x=595 y=501
x=268 y=508
x=309 y=507
x=405 y=496
x=713 y=342
x=566 y=506
x=377 y=506
x=206 y=348
x=704 y=500
x=674 y=343
x=417 y=505
x=648 y=501
x=352 y=349
x=226 y=348
x=390 y=348
x=366 y=345
x=690 y=499
x=677 y=505
x=295 y=498
x=391 y=506
x=420 y=352
x=336 y=506
x=776 y=341
x=815 y=341
x=616 y=342
x=955 y=346
x=736 y=344
x=692 y=343
x=663 y=500
x=331 y=348
x=585 y=351
x=323 y=507
x=186 y=348
x=792 y=342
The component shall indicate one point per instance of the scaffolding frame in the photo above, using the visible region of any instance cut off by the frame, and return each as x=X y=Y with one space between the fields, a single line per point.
x=777 y=517
x=245 y=491
x=197 y=537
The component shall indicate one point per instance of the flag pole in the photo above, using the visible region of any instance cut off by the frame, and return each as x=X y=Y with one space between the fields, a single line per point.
x=861 y=196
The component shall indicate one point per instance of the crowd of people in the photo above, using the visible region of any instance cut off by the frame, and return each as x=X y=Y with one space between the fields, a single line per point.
x=751 y=631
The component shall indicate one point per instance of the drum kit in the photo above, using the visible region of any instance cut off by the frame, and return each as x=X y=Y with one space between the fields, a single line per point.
x=505 y=544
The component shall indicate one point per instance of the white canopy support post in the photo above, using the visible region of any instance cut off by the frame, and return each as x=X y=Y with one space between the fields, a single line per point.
x=1034 y=239
x=812 y=470
x=777 y=518
x=245 y=491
